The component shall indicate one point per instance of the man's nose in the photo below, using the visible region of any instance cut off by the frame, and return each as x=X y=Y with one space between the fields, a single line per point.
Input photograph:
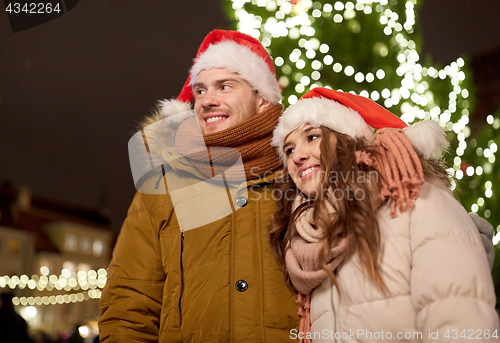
x=210 y=99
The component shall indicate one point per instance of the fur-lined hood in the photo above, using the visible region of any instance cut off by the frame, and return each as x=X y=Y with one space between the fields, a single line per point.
x=153 y=145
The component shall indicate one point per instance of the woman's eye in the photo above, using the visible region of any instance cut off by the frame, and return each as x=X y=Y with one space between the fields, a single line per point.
x=289 y=151
x=200 y=91
x=313 y=137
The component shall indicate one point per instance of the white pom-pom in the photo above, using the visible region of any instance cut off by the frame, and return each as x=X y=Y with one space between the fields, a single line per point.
x=177 y=111
x=172 y=107
x=427 y=138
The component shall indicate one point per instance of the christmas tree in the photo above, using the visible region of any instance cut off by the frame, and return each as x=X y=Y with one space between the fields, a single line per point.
x=371 y=48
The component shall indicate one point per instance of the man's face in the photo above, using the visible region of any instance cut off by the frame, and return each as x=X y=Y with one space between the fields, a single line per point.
x=223 y=99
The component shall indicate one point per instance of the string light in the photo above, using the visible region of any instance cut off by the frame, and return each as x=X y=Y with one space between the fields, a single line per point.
x=57 y=299
x=67 y=281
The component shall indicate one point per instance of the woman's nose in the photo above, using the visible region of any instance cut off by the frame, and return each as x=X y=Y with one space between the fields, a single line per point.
x=300 y=155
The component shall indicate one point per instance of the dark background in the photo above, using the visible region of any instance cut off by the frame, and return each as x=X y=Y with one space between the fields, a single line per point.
x=73 y=90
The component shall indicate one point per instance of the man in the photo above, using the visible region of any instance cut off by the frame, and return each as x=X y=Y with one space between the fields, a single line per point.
x=183 y=269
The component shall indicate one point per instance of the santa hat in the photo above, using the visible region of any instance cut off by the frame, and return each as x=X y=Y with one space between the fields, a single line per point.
x=357 y=117
x=235 y=52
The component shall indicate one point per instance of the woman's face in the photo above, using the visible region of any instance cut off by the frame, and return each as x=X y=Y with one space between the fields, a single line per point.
x=302 y=147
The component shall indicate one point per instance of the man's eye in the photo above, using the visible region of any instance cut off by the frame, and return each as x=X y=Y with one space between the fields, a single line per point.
x=289 y=151
x=200 y=91
x=225 y=87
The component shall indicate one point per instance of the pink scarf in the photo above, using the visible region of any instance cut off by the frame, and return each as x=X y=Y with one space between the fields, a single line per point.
x=303 y=264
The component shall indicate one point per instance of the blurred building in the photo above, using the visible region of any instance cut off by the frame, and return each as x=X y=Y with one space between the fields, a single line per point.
x=17 y=250
x=53 y=258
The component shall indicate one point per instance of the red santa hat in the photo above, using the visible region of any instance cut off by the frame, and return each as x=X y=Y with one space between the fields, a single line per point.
x=357 y=117
x=235 y=52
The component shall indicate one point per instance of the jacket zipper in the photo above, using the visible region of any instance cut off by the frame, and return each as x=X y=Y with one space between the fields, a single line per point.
x=182 y=279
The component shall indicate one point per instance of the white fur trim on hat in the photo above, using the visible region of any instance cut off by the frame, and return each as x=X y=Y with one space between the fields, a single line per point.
x=320 y=112
x=427 y=138
x=239 y=59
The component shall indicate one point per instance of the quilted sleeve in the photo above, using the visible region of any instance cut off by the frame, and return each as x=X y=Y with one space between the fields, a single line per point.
x=132 y=298
x=451 y=285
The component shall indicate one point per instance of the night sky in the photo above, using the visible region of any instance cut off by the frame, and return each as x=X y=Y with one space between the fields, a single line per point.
x=73 y=90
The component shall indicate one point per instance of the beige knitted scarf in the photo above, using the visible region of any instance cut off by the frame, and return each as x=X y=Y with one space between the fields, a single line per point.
x=303 y=263
x=215 y=153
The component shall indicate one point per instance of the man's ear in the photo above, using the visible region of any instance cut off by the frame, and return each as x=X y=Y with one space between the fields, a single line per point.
x=263 y=104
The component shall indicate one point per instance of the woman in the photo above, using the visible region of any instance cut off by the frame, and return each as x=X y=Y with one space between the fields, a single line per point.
x=372 y=238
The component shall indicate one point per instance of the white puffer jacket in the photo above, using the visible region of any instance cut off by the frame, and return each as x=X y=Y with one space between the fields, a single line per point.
x=435 y=266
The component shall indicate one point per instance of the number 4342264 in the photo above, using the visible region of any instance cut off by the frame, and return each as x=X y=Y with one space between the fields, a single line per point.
x=471 y=334
x=32 y=7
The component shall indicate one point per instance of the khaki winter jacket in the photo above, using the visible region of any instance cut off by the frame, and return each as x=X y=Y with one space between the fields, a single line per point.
x=218 y=282
x=434 y=264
